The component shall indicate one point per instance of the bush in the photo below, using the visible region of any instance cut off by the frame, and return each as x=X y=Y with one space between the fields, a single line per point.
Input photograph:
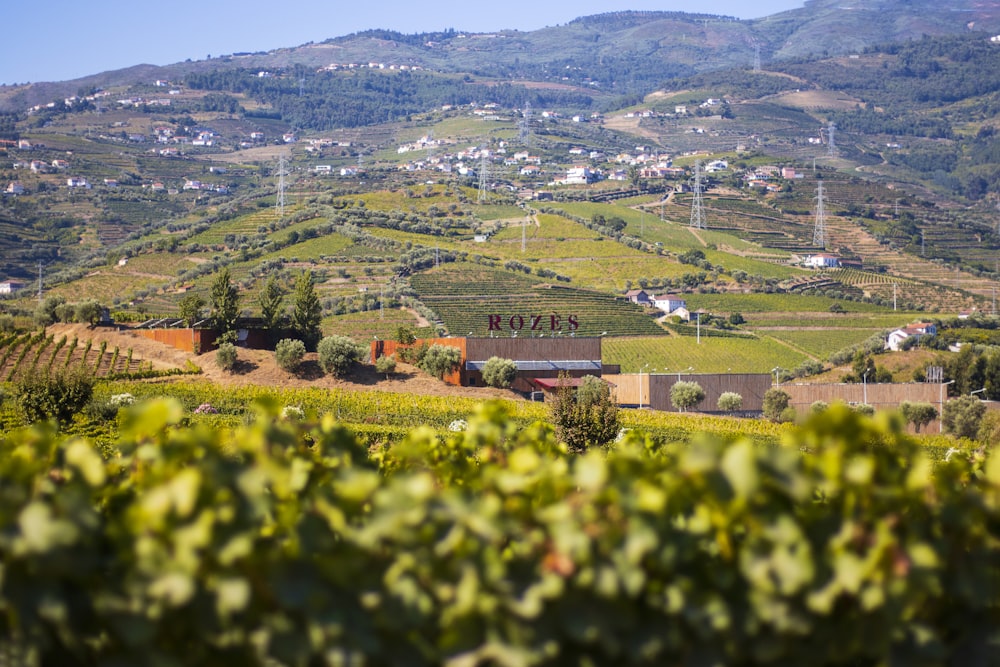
x=775 y=403
x=961 y=416
x=685 y=395
x=918 y=414
x=288 y=354
x=225 y=357
x=56 y=396
x=439 y=360
x=337 y=354
x=584 y=417
x=386 y=365
x=498 y=372
x=730 y=401
x=283 y=543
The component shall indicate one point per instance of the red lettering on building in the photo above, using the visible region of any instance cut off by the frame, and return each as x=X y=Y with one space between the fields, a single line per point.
x=555 y=323
x=519 y=320
x=573 y=324
x=494 y=323
x=535 y=319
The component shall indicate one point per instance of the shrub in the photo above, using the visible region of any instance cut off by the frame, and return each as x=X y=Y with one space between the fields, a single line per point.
x=498 y=372
x=225 y=357
x=288 y=354
x=406 y=335
x=587 y=418
x=439 y=360
x=386 y=365
x=961 y=416
x=337 y=354
x=685 y=395
x=775 y=403
x=730 y=401
x=56 y=396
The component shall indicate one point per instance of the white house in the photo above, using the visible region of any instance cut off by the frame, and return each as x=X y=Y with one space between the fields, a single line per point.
x=77 y=182
x=11 y=286
x=668 y=303
x=578 y=176
x=915 y=331
x=15 y=188
x=823 y=261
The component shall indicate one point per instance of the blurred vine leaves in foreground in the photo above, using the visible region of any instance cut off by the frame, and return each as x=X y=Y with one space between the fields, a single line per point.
x=289 y=542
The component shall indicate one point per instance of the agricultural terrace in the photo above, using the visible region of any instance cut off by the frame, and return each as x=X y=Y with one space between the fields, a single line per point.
x=248 y=224
x=112 y=282
x=772 y=303
x=712 y=355
x=382 y=324
x=821 y=343
x=465 y=295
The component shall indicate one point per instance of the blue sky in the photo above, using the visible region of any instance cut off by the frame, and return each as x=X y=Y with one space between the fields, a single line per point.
x=55 y=40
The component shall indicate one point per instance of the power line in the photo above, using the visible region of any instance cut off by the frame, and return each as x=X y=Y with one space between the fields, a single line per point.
x=484 y=169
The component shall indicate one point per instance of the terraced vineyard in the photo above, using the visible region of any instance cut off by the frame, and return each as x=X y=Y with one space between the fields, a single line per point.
x=465 y=297
x=41 y=353
x=821 y=343
x=712 y=355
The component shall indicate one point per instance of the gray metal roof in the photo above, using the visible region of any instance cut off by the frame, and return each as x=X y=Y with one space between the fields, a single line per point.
x=548 y=365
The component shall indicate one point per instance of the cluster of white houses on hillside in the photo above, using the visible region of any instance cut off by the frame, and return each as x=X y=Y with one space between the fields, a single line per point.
x=671 y=304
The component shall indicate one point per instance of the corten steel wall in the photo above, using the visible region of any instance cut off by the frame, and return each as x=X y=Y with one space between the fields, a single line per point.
x=880 y=396
x=387 y=348
x=517 y=349
x=182 y=339
x=200 y=341
x=656 y=389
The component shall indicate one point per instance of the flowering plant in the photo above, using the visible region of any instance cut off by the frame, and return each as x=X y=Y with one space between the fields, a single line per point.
x=120 y=400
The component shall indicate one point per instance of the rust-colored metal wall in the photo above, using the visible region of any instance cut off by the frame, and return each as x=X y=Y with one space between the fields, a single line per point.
x=653 y=391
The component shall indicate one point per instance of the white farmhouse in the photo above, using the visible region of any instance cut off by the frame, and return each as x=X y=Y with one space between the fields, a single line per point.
x=916 y=331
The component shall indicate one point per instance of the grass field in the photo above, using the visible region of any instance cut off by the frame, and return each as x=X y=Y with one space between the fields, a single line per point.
x=822 y=343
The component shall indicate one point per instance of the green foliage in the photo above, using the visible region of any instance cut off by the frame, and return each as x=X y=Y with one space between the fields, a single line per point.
x=585 y=417
x=730 y=401
x=45 y=312
x=225 y=356
x=337 y=354
x=775 y=403
x=88 y=311
x=288 y=354
x=918 y=414
x=307 y=312
x=686 y=395
x=498 y=372
x=57 y=396
x=492 y=546
x=269 y=299
x=386 y=365
x=190 y=307
x=225 y=302
x=406 y=335
x=961 y=416
x=439 y=360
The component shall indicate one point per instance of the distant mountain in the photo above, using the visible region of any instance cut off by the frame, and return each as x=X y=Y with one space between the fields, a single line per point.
x=623 y=53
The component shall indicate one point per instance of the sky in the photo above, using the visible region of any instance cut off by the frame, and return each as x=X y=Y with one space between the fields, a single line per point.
x=58 y=40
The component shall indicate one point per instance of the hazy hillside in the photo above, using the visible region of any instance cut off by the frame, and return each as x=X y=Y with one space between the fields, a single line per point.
x=626 y=52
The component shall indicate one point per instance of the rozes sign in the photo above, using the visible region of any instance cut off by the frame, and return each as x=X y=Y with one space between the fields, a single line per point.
x=533 y=323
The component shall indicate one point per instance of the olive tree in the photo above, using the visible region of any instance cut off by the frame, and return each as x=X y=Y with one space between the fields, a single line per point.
x=439 y=360
x=685 y=395
x=918 y=414
x=337 y=354
x=730 y=401
x=499 y=372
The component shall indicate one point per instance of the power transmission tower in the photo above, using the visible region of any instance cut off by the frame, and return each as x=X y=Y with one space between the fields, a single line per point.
x=524 y=126
x=41 y=264
x=484 y=169
x=302 y=87
x=697 y=208
x=756 y=56
x=279 y=203
x=831 y=143
x=819 y=232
